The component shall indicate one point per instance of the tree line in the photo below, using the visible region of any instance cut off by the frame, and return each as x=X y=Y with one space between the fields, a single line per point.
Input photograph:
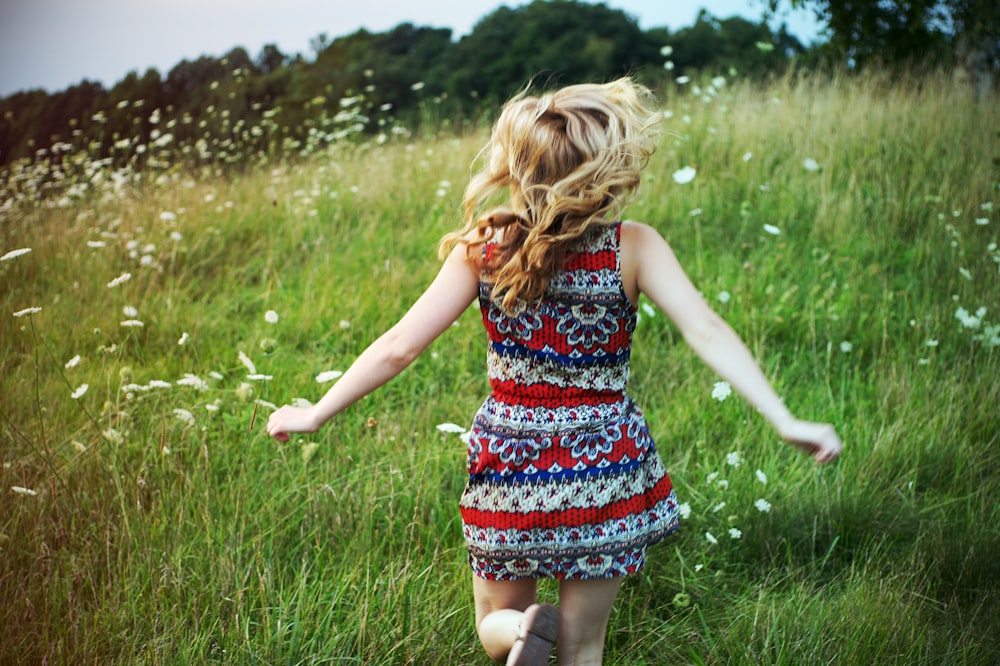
x=226 y=109
x=274 y=103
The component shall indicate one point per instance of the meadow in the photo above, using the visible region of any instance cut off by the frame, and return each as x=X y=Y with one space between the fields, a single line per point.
x=845 y=226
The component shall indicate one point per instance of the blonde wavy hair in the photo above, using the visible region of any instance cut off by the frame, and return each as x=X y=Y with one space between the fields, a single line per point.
x=571 y=160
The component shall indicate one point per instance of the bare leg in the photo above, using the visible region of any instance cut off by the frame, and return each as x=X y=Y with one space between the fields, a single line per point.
x=586 y=607
x=500 y=606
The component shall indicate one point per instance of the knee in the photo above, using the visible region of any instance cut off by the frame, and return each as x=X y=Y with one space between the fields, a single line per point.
x=497 y=632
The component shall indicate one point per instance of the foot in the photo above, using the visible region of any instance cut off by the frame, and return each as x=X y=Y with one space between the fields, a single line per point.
x=537 y=637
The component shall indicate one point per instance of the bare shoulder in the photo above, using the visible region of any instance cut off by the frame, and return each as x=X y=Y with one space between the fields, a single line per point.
x=641 y=242
x=639 y=237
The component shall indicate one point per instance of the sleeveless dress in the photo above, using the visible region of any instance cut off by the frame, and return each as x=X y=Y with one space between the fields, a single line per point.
x=564 y=479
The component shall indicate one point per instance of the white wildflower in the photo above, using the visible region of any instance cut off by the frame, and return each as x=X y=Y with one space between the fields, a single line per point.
x=27 y=311
x=247 y=363
x=771 y=229
x=724 y=296
x=684 y=510
x=80 y=390
x=721 y=390
x=711 y=539
x=968 y=320
x=734 y=533
x=21 y=490
x=14 y=254
x=328 y=376
x=271 y=317
x=763 y=505
x=846 y=347
x=193 y=381
x=450 y=428
x=718 y=507
x=130 y=311
x=685 y=175
x=257 y=377
x=761 y=477
x=73 y=362
x=183 y=339
x=809 y=164
x=132 y=323
x=184 y=415
x=120 y=280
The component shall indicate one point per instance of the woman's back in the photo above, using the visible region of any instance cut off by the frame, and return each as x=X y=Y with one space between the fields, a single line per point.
x=573 y=347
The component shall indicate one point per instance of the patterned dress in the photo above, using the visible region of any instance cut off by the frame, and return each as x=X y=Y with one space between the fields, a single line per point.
x=564 y=479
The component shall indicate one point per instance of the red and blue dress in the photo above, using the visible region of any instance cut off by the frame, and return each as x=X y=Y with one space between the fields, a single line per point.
x=564 y=479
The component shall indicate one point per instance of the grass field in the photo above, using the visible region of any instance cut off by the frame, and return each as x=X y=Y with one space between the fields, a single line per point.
x=847 y=229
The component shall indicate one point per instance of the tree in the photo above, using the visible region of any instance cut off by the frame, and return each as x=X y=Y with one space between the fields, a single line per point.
x=900 y=32
x=561 y=40
x=718 y=45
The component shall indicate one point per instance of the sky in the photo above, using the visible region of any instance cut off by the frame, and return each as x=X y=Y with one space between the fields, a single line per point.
x=53 y=44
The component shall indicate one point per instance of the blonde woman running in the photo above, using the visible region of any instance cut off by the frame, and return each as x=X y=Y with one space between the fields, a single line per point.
x=564 y=479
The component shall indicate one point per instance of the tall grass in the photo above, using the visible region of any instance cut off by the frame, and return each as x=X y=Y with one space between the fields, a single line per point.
x=844 y=227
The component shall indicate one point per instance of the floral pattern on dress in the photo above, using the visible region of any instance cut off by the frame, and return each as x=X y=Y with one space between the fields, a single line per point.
x=564 y=478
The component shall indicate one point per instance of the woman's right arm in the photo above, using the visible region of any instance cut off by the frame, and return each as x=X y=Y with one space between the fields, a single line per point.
x=650 y=266
x=447 y=297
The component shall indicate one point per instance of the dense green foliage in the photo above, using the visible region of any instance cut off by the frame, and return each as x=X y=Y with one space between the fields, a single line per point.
x=846 y=227
x=906 y=32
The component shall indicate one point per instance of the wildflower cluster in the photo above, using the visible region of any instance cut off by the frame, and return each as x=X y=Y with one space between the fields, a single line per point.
x=132 y=145
x=965 y=230
x=721 y=508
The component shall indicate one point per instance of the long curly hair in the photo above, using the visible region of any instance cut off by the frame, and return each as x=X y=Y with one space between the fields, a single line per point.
x=570 y=160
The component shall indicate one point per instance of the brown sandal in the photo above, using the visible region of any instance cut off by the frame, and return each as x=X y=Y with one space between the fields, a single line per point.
x=538 y=635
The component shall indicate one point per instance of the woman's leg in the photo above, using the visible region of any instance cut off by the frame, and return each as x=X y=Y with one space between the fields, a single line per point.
x=586 y=608
x=500 y=605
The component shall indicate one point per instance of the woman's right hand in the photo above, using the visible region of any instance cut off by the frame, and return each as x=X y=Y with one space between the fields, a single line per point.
x=819 y=440
x=290 y=419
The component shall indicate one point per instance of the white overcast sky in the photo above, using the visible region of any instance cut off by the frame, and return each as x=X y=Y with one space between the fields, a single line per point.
x=53 y=44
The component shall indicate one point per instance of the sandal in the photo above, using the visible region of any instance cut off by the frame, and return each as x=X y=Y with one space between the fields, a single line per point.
x=539 y=631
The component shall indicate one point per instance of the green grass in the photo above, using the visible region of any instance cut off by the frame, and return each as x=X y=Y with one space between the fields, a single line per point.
x=152 y=540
